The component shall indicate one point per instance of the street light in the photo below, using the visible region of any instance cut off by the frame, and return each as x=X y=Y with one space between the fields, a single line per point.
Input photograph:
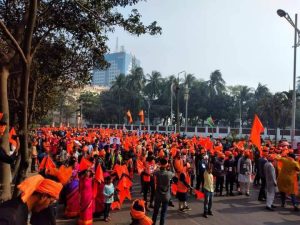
x=177 y=99
x=172 y=89
x=241 y=104
x=186 y=98
x=284 y=14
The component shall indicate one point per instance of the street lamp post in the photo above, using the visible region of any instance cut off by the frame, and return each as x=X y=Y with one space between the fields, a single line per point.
x=171 y=91
x=177 y=99
x=186 y=98
x=282 y=13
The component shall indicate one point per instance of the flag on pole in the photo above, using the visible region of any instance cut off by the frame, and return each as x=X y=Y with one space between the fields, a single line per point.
x=256 y=129
x=142 y=117
x=210 y=122
x=129 y=117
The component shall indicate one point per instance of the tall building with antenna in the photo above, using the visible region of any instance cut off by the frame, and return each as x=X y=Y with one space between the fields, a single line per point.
x=120 y=63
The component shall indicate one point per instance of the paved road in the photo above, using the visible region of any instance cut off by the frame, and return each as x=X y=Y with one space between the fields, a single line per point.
x=233 y=210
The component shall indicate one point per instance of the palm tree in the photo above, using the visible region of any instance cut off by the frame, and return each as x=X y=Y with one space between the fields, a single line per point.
x=119 y=86
x=153 y=86
x=216 y=83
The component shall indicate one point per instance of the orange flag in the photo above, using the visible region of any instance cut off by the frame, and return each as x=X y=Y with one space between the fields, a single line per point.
x=1 y=115
x=115 y=205
x=47 y=163
x=84 y=164
x=142 y=117
x=129 y=117
x=118 y=170
x=199 y=194
x=124 y=183
x=12 y=132
x=257 y=128
x=99 y=174
x=140 y=166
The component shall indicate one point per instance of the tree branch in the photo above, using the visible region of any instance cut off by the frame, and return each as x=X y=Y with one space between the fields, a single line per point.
x=13 y=40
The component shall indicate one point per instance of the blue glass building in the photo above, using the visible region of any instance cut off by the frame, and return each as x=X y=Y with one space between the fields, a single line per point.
x=120 y=62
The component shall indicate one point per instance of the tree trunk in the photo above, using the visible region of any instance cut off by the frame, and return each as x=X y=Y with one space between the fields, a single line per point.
x=23 y=131
x=5 y=173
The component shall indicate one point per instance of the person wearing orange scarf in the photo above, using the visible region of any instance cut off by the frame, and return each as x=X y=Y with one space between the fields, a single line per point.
x=138 y=213
x=37 y=193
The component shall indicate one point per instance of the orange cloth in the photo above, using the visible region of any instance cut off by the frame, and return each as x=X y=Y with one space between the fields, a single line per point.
x=28 y=186
x=50 y=187
x=1 y=115
x=257 y=128
x=39 y=184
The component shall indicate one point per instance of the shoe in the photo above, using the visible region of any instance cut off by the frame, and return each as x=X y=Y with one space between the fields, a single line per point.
x=240 y=193
x=262 y=199
x=269 y=208
x=171 y=204
x=186 y=208
x=210 y=213
x=282 y=205
x=204 y=215
x=273 y=207
x=151 y=206
x=181 y=210
x=296 y=209
x=106 y=220
x=231 y=194
x=247 y=194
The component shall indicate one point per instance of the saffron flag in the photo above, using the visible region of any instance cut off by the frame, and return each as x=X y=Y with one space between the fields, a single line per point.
x=140 y=166
x=47 y=163
x=84 y=164
x=99 y=174
x=115 y=205
x=141 y=115
x=129 y=117
x=199 y=194
x=257 y=128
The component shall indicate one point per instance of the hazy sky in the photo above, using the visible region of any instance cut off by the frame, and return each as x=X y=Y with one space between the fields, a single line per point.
x=245 y=39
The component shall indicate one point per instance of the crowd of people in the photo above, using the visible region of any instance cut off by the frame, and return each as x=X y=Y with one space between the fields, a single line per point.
x=91 y=171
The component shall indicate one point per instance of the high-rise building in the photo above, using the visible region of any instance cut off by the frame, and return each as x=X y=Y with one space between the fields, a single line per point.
x=120 y=63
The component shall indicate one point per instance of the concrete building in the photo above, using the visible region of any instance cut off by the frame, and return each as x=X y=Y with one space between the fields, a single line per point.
x=120 y=63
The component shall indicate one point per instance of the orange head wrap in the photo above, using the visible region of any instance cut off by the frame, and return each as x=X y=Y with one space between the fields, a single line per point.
x=38 y=183
x=50 y=187
x=137 y=212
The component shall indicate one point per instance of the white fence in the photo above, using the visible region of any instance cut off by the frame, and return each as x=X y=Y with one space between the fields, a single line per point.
x=204 y=131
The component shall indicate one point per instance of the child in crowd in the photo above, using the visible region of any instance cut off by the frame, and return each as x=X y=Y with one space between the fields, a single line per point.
x=208 y=191
x=108 y=192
